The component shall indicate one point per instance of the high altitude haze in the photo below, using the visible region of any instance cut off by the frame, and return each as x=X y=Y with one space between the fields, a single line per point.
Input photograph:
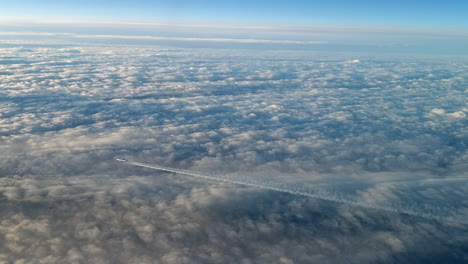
x=426 y=27
x=345 y=12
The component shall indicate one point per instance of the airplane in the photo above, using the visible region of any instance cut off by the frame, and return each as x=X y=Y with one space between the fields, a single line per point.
x=121 y=159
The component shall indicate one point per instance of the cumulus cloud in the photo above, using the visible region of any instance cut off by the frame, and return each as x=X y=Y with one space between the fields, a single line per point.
x=385 y=131
x=155 y=220
x=455 y=115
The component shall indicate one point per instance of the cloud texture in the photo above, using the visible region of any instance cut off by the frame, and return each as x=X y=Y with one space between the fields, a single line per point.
x=382 y=130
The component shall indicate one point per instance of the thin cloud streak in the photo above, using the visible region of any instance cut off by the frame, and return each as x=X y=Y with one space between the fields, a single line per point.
x=309 y=192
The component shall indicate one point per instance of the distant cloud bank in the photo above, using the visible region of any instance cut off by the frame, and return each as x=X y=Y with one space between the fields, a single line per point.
x=336 y=38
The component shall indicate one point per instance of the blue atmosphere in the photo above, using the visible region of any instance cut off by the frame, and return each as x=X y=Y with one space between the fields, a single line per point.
x=340 y=12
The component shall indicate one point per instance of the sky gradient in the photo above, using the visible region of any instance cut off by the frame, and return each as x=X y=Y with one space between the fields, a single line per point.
x=339 y=12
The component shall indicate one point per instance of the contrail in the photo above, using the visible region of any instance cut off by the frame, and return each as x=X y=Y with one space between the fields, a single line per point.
x=318 y=194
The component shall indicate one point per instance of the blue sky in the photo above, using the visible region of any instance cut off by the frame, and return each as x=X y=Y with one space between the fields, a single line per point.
x=338 y=12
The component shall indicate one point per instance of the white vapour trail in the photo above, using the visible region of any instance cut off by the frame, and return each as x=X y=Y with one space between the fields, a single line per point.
x=319 y=194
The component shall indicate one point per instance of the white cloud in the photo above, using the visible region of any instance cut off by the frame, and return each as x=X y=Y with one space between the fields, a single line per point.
x=117 y=220
x=454 y=115
x=289 y=117
x=353 y=61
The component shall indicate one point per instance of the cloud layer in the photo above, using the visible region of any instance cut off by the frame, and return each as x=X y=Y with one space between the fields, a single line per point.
x=382 y=130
